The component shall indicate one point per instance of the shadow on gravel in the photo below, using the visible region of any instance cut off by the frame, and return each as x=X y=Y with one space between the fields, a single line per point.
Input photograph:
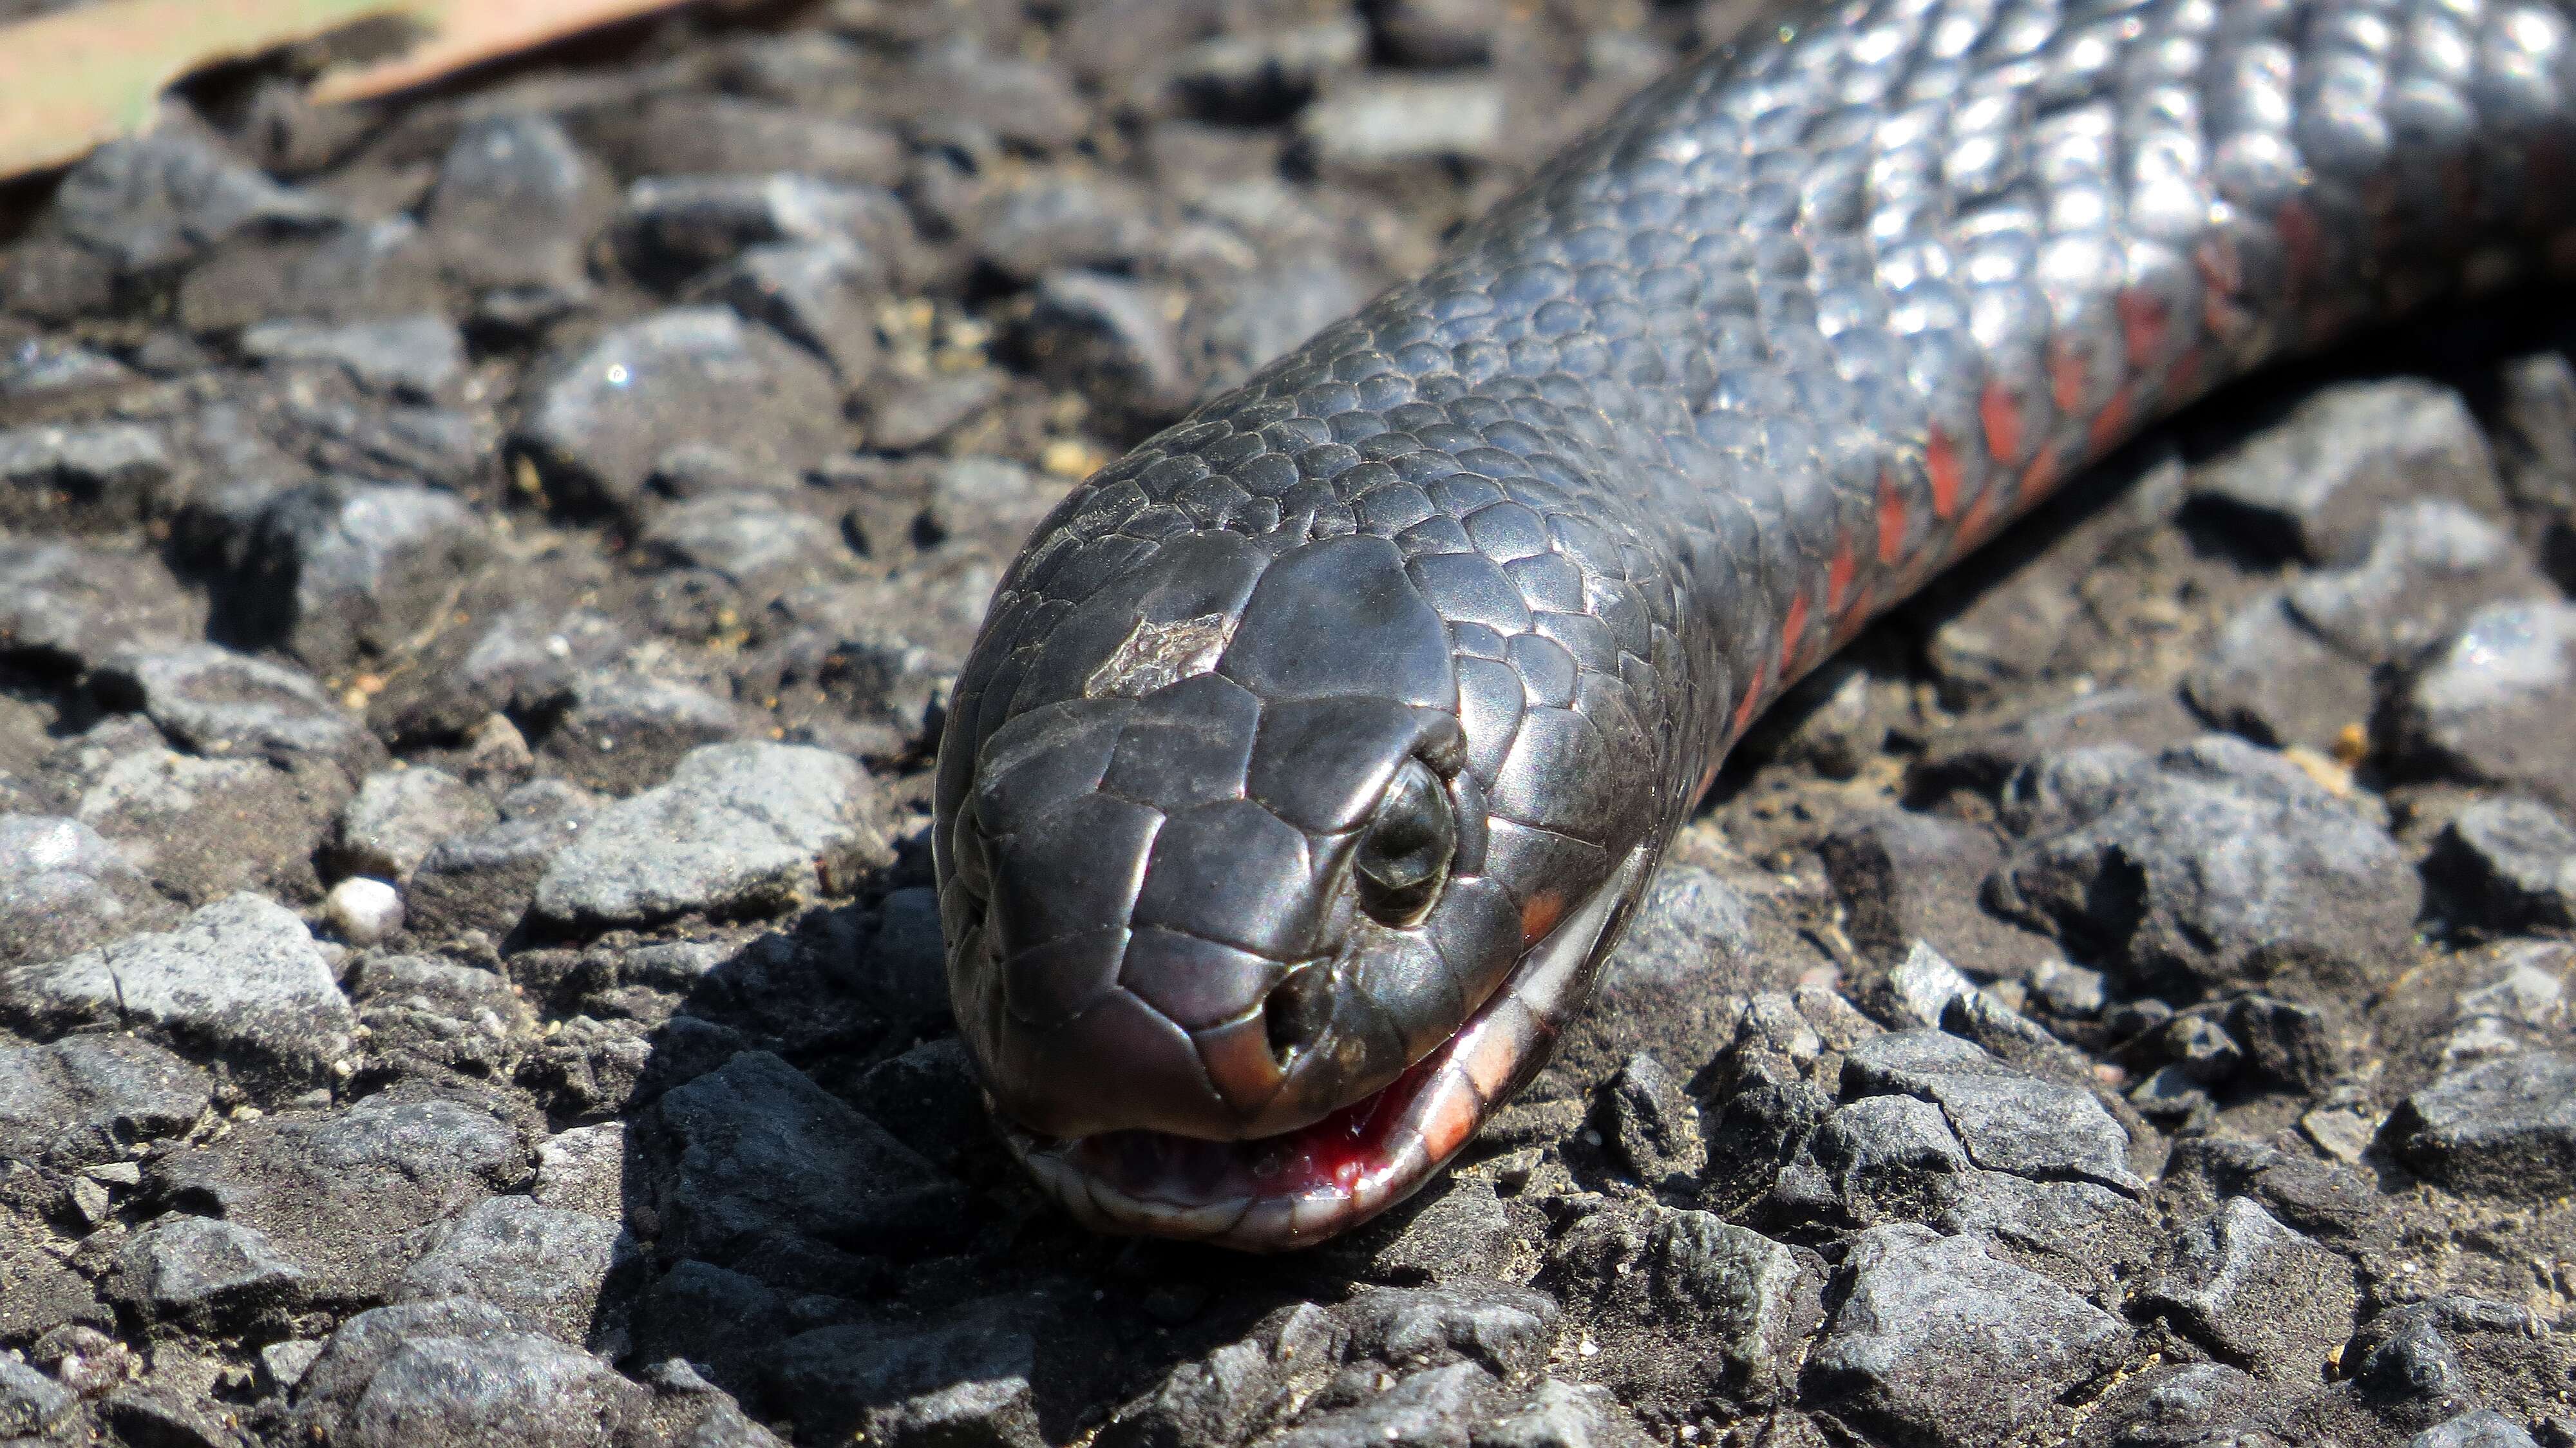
x=831 y=1231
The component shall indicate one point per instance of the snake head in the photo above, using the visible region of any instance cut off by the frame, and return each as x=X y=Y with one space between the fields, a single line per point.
x=1229 y=932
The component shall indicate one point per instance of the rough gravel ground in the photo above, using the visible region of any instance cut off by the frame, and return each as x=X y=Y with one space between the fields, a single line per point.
x=477 y=587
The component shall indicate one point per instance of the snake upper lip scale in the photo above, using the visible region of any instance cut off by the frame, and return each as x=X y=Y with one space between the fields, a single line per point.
x=1315 y=753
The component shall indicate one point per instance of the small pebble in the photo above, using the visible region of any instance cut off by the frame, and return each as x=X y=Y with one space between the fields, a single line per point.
x=364 y=911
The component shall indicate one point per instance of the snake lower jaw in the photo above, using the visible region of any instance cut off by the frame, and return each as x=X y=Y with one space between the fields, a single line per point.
x=1280 y=1193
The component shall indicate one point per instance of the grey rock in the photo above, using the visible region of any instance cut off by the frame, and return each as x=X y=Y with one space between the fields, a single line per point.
x=547 y=1266
x=1941 y=1342
x=2314 y=486
x=1437 y=34
x=417 y=358
x=2087 y=1237
x=1112 y=340
x=201 y=829
x=94 y=475
x=1434 y=1408
x=2503 y=1128
x=1456 y=1233
x=2200 y=1047
x=2070 y=990
x=205 y=1273
x=990 y=502
x=354 y=438
x=399 y=816
x=1558 y=1414
x=1654 y=1126
x=624 y=731
x=759 y=1153
x=484 y=880
x=2270 y=678
x=2323 y=1199
x=241 y=978
x=342 y=1191
x=284 y=1364
x=2512 y=861
x=214 y=701
x=1503 y=1328
x=1257 y=77
x=725 y=1425
x=750 y=540
x=2212 y=864
x=350 y=270
x=137 y=1413
x=1687 y=1311
x=584 y=1170
x=2490 y=705
x=31 y=1404
x=2479 y=1428
x=1670 y=982
x=2286 y=1043
x=1882 y=1158
x=2529 y=991
x=84 y=1101
x=2431 y=563
x=52 y=281
x=1925 y=987
x=65 y=605
x=2169 y=1093
x=64 y=888
x=723 y=1322
x=514 y=205
x=1257 y=320
x=676 y=226
x=1905 y=877
x=339 y=569
x=739 y=829
x=1378 y=124
x=2405 y=1354
x=527 y=661
x=424 y=1011
x=907 y=413
x=2177 y=1407
x=928 y=1099
x=2259 y=1295
x=915 y=1386
x=156 y=200
x=1026 y=102
x=42 y=366
x=424 y=1375
x=2007 y=1121
x=1981 y=761
x=1231 y=1393
x=2535 y=434
x=1063 y=221
x=820 y=295
x=907 y=961
x=599 y=420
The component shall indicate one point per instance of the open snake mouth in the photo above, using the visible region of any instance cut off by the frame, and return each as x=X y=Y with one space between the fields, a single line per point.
x=1276 y=1193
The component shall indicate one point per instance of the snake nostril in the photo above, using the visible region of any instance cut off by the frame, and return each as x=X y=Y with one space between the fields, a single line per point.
x=1296 y=1012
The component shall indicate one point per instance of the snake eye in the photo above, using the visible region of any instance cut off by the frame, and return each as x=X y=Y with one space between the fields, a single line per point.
x=1404 y=854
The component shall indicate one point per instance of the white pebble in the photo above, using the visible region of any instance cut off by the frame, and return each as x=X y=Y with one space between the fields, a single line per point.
x=364 y=911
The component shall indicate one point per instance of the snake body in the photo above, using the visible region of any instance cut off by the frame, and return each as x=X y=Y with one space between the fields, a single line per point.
x=1315 y=753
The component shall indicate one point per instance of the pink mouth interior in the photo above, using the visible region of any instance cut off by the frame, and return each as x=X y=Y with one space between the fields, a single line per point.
x=1333 y=1155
